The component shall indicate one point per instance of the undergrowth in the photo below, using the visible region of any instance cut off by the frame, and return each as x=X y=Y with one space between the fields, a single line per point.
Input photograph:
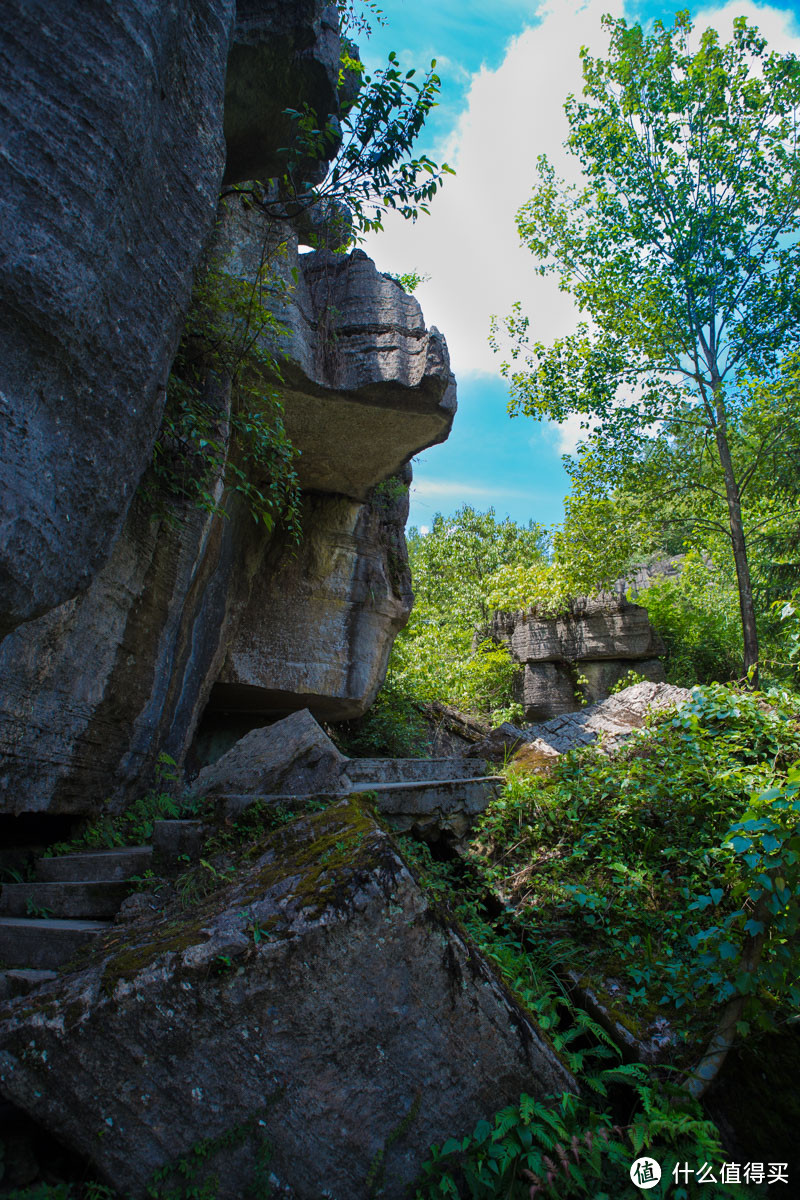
x=134 y=826
x=652 y=872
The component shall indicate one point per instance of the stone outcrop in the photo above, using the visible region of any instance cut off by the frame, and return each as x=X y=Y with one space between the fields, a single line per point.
x=612 y=720
x=198 y=621
x=91 y=693
x=365 y=385
x=110 y=175
x=317 y=1003
x=114 y=153
x=578 y=656
x=320 y=622
x=282 y=56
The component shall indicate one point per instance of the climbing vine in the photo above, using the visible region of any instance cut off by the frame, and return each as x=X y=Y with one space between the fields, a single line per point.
x=222 y=433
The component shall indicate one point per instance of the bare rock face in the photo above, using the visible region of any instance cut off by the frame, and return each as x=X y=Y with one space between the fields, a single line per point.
x=578 y=656
x=150 y=623
x=613 y=719
x=365 y=385
x=322 y=616
x=317 y=1003
x=93 y=691
x=113 y=155
x=112 y=126
x=283 y=56
x=293 y=756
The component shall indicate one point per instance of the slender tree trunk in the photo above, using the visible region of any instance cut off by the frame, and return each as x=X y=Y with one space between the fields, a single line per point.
x=746 y=605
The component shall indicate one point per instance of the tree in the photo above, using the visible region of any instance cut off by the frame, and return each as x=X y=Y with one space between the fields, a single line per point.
x=682 y=247
x=443 y=653
x=454 y=564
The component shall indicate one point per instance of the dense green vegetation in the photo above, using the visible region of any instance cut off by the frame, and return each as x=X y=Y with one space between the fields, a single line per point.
x=665 y=881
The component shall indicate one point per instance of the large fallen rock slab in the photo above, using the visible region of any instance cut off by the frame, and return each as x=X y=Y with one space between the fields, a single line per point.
x=318 y=1003
x=292 y=757
x=613 y=720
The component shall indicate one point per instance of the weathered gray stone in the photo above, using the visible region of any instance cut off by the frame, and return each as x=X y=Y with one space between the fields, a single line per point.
x=93 y=691
x=535 y=757
x=452 y=733
x=292 y=757
x=108 y=865
x=436 y=809
x=365 y=386
x=109 y=188
x=599 y=639
x=544 y=689
x=96 y=900
x=498 y=744
x=44 y=943
x=112 y=159
x=355 y=1008
x=614 y=718
x=322 y=616
x=600 y=677
x=607 y=626
x=283 y=56
x=366 y=771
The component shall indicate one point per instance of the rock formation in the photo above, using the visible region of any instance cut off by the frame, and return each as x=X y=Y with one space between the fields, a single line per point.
x=612 y=720
x=314 y=1004
x=577 y=657
x=351 y=1025
x=197 y=620
x=109 y=182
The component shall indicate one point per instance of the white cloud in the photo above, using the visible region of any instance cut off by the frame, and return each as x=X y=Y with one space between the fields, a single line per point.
x=779 y=26
x=469 y=243
x=465 y=491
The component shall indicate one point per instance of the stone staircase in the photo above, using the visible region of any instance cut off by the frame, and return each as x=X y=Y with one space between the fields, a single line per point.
x=432 y=798
x=74 y=897
x=45 y=921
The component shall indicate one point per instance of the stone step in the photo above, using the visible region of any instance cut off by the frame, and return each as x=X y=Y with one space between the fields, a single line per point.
x=98 y=899
x=43 y=945
x=96 y=865
x=19 y=982
x=434 y=797
x=427 y=806
x=410 y=770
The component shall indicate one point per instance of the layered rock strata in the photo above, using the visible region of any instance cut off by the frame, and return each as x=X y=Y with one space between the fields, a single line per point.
x=112 y=123
x=364 y=384
x=318 y=1005
x=577 y=657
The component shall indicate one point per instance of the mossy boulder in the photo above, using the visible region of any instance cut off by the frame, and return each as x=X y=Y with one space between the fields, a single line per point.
x=316 y=1012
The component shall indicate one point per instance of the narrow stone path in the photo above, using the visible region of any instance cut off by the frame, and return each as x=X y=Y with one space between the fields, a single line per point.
x=75 y=897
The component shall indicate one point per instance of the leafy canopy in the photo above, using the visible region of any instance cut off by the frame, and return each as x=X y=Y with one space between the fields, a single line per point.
x=682 y=248
x=682 y=245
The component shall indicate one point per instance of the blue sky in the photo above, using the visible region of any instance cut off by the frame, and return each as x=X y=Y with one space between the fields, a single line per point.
x=506 y=68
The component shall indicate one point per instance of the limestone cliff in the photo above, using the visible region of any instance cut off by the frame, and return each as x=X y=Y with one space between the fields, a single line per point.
x=138 y=625
x=111 y=119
